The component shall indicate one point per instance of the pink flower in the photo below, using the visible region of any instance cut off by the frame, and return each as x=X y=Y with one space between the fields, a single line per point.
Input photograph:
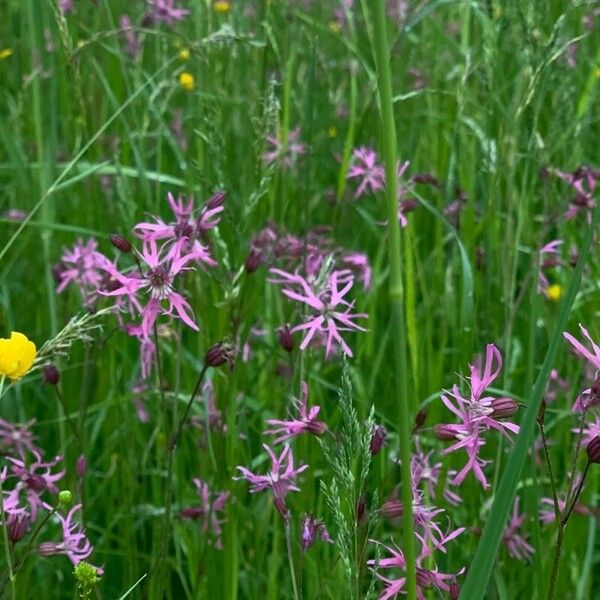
x=186 y=226
x=157 y=283
x=581 y=350
x=549 y=256
x=307 y=421
x=280 y=479
x=370 y=173
x=133 y=44
x=75 y=545
x=85 y=267
x=208 y=511
x=287 y=153
x=33 y=480
x=311 y=527
x=165 y=10
x=359 y=263
x=516 y=544
x=426 y=577
x=476 y=416
x=331 y=313
x=17 y=438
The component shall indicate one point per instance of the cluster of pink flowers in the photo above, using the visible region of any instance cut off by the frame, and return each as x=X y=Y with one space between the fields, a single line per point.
x=477 y=415
x=27 y=482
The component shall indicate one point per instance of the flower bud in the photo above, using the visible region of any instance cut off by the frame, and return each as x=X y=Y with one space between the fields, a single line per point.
x=219 y=354
x=392 y=508
x=17 y=527
x=252 y=261
x=426 y=178
x=378 y=438
x=409 y=205
x=286 y=341
x=361 y=510
x=216 y=200
x=503 y=408
x=454 y=590
x=120 y=243
x=65 y=497
x=420 y=418
x=51 y=374
x=593 y=450
x=445 y=432
x=81 y=466
x=424 y=578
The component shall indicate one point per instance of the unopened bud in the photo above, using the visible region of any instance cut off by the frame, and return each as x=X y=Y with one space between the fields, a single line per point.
x=424 y=578
x=219 y=354
x=408 y=205
x=378 y=438
x=420 y=420
x=81 y=466
x=120 y=243
x=445 y=432
x=503 y=408
x=286 y=341
x=65 y=497
x=361 y=510
x=17 y=527
x=392 y=509
x=593 y=450
x=216 y=200
x=454 y=590
x=51 y=374
x=427 y=178
x=252 y=261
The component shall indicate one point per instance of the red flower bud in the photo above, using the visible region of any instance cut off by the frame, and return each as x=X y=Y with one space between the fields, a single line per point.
x=216 y=200
x=593 y=450
x=219 y=354
x=286 y=341
x=253 y=261
x=378 y=438
x=444 y=432
x=51 y=374
x=120 y=243
x=503 y=408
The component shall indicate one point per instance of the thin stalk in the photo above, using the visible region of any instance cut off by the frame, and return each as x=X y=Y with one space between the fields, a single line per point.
x=561 y=532
x=288 y=539
x=388 y=130
x=541 y=415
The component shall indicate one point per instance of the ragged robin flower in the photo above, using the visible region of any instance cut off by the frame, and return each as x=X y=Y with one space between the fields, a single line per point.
x=16 y=355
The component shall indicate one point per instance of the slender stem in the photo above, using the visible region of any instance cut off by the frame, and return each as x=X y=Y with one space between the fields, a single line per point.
x=388 y=131
x=175 y=436
x=541 y=415
x=72 y=427
x=561 y=533
x=288 y=539
x=11 y=575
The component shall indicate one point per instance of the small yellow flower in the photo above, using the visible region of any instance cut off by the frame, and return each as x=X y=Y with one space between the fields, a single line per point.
x=332 y=131
x=554 y=292
x=16 y=355
x=334 y=27
x=184 y=54
x=6 y=53
x=597 y=72
x=187 y=81
x=222 y=6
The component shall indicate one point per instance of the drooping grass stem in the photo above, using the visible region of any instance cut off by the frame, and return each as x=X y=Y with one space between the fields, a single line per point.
x=388 y=136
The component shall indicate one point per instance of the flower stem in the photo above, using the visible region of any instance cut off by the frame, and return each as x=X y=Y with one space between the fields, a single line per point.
x=388 y=131
x=541 y=416
x=288 y=539
x=561 y=533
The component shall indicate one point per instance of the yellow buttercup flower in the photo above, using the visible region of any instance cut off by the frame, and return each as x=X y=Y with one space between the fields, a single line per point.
x=187 y=81
x=554 y=292
x=184 y=54
x=6 y=53
x=222 y=6
x=334 y=27
x=332 y=131
x=16 y=355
